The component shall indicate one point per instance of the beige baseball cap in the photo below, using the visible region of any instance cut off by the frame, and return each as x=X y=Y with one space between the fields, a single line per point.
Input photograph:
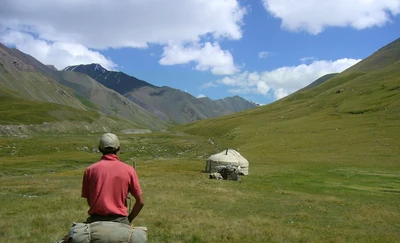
x=109 y=141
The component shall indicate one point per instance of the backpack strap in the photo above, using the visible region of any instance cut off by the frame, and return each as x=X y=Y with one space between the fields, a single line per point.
x=130 y=234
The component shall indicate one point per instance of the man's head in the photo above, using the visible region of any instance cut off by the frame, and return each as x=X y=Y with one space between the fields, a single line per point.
x=109 y=143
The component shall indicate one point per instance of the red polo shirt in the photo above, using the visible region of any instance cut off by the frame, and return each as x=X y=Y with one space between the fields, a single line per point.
x=106 y=185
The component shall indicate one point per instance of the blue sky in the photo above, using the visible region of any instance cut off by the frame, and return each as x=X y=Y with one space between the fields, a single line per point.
x=261 y=50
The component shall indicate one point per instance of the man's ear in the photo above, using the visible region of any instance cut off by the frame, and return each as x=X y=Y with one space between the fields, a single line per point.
x=118 y=149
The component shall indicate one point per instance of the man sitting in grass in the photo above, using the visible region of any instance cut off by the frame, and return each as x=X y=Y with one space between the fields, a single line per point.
x=106 y=185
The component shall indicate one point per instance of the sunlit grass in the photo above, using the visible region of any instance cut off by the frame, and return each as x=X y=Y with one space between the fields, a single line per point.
x=324 y=167
x=299 y=196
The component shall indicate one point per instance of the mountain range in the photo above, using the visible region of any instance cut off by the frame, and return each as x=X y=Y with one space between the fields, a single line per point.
x=110 y=97
x=34 y=96
x=166 y=103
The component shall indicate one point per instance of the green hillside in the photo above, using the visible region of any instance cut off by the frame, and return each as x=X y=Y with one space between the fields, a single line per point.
x=21 y=111
x=319 y=81
x=324 y=162
x=33 y=94
x=21 y=116
x=323 y=167
x=385 y=56
x=354 y=110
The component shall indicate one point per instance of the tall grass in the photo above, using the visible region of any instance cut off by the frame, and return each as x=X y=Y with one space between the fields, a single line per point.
x=291 y=195
x=324 y=167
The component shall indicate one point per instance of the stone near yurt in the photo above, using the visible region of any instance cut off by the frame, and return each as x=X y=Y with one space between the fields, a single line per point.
x=227 y=157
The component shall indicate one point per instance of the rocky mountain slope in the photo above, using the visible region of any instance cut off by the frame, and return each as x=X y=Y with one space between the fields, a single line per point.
x=76 y=97
x=168 y=104
x=93 y=98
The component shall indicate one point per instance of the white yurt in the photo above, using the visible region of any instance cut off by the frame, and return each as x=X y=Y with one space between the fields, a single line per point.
x=226 y=157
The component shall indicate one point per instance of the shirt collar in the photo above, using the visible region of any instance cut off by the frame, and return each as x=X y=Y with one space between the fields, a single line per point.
x=110 y=157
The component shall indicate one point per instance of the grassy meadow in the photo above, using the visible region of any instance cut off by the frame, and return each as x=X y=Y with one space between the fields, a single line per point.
x=294 y=193
x=324 y=167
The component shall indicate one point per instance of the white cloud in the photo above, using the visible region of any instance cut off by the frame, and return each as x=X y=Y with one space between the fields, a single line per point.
x=246 y=83
x=201 y=96
x=280 y=93
x=208 y=85
x=207 y=57
x=60 y=54
x=263 y=54
x=314 y=16
x=109 y=23
x=97 y=25
x=307 y=59
x=286 y=80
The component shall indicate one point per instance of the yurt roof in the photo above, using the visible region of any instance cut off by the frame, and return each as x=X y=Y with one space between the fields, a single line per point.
x=229 y=156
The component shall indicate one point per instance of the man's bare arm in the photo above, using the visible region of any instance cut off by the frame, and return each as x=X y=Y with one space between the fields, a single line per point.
x=139 y=203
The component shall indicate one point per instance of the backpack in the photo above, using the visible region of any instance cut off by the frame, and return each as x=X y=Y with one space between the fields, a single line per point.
x=106 y=232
